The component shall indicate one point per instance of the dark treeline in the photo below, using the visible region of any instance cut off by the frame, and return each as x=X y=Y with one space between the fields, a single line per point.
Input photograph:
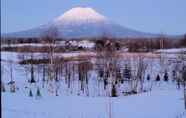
x=33 y=49
x=133 y=44
x=23 y=40
x=19 y=40
x=142 y=44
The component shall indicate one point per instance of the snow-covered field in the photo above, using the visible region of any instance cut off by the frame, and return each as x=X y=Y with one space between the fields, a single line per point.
x=164 y=101
x=173 y=50
x=155 y=104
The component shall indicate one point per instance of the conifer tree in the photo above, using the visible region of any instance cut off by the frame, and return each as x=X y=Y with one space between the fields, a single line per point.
x=32 y=74
x=158 y=78
x=105 y=82
x=38 y=93
x=166 y=76
x=114 y=93
x=30 y=93
x=148 y=77
x=101 y=73
x=12 y=87
x=3 y=87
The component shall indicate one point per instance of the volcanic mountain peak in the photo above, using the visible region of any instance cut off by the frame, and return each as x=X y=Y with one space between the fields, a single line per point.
x=82 y=22
x=81 y=14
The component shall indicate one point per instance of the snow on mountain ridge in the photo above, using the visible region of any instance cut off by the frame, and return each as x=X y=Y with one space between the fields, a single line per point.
x=80 y=14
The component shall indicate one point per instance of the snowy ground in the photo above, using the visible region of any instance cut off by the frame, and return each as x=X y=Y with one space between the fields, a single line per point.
x=173 y=50
x=164 y=101
x=155 y=104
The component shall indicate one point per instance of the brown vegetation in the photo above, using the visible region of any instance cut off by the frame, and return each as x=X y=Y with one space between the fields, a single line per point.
x=133 y=44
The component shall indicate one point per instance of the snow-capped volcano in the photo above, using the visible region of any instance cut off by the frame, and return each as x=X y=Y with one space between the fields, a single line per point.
x=81 y=22
x=79 y=15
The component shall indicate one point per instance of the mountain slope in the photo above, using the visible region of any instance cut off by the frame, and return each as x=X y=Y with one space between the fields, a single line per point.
x=82 y=22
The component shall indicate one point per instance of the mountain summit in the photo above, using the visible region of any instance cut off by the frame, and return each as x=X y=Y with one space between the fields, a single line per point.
x=81 y=14
x=82 y=22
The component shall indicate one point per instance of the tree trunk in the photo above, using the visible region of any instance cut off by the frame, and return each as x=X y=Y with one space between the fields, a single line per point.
x=185 y=98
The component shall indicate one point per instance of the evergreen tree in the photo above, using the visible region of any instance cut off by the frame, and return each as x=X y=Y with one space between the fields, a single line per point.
x=105 y=83
x=32 y=74
x=12 y=87
x=30 y=93
x=178 y=83
x=148 y=77
x=158 y=78
x=114 y=93
x=3 y=87
x=166 y=76
x=101 y=73
x=38 y=93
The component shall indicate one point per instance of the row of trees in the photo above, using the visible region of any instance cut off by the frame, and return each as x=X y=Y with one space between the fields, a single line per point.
x=142 y=44
x=133 y=44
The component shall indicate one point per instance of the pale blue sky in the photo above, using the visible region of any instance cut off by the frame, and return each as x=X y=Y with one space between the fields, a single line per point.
x=155 y=16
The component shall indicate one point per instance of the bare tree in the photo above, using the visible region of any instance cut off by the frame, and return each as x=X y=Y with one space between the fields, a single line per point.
x=183 y=74
x=49 y=39
x=12 y=82
x=2 y=82
x=107 y=57
x=184 y=84
x=141 y=71
x=27 y=61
